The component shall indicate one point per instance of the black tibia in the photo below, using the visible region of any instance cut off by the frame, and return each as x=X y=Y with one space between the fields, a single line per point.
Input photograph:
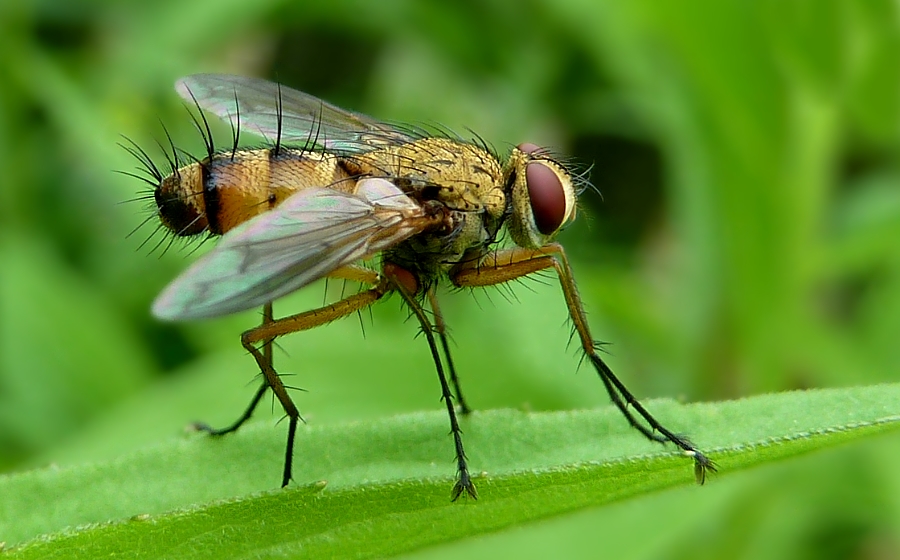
x=464 y=481
x=618 y=393
x=623 y=398
x=509 y=264
x=257 y=397
x=441 y=328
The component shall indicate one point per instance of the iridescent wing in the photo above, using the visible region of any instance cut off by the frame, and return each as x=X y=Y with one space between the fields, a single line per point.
x=280 y=113
x=309 y=235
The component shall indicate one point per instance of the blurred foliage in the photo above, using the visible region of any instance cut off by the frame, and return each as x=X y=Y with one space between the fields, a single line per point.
x=747 y=153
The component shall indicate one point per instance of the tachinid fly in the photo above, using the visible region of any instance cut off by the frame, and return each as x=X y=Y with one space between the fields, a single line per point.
x=337 y=188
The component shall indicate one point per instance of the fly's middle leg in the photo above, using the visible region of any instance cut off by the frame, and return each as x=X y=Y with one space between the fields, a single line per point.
x=404 y=283
x=441 y=328
x=509 y=264
x=268 y=331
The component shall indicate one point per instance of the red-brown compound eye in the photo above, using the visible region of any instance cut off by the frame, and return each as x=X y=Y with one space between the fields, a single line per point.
x=548 y=199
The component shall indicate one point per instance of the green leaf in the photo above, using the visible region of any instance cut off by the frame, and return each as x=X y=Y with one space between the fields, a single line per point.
x=379 y=488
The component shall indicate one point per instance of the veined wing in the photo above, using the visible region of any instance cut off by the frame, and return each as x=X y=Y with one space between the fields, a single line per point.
x=279 y=112
x=309 y=235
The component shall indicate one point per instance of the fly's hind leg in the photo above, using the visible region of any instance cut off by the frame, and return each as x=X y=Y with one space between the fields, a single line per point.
x=257 y=397
x=509 y=264
x=268 y=331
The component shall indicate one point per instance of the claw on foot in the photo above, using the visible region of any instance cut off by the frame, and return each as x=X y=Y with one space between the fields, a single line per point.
x=464 y=484
x=702 y=466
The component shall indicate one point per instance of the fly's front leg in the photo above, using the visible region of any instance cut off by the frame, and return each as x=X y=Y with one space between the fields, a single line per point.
x=510 y=264
x=268 y=331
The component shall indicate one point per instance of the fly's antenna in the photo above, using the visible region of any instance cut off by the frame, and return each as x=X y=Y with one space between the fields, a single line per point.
x=279 y=117
x=235 y=125
x=204 y=131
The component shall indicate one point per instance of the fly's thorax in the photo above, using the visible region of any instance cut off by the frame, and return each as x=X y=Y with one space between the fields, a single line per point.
x=219 y=193
x=463 y=176
x=429 y=256
x=542 y=196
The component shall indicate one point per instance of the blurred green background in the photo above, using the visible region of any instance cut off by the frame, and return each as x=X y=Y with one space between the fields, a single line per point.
x=745 y=242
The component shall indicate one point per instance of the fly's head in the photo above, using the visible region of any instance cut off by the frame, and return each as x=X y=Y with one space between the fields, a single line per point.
x=541 y=194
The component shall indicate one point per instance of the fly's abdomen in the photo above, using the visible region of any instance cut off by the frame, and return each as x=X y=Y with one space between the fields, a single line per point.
x=179 y=201
x=219 y=193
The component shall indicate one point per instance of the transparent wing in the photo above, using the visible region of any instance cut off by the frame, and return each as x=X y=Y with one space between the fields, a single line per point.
x=309 y=235
x=278 y=112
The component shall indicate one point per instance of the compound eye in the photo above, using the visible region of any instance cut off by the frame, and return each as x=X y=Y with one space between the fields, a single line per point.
x=548 y=199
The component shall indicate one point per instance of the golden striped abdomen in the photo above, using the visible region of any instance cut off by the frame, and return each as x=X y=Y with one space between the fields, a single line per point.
x=217 y=194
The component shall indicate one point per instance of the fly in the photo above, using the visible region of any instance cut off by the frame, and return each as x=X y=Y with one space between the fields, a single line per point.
x=336 y=188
